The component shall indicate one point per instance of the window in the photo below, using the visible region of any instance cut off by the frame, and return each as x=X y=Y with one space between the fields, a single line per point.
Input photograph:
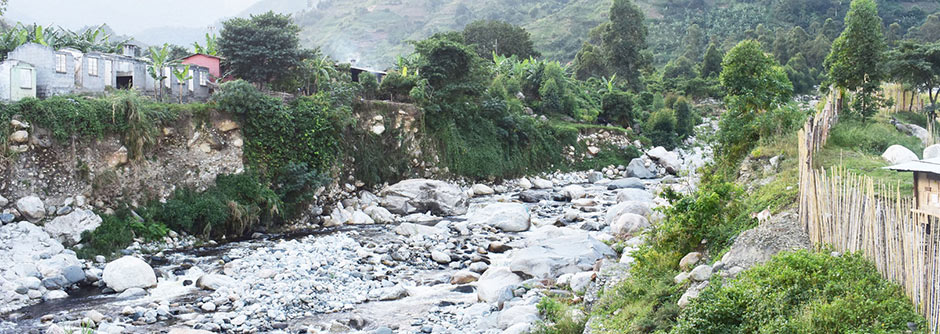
x=203 y=79
x=190 y=83
x=60 y=63
x=93 y=67
x=26 y=78
x=168 y=75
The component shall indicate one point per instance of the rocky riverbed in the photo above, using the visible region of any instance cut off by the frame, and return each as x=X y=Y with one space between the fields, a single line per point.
x=420 y=256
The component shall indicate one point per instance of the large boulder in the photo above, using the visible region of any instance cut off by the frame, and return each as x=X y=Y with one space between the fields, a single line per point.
x=553 y=256
x=215 y=282
x=32 y=208
x=634 y=207
x=628 y=224
x=782 y=232
x=914 y=130
x=657 y=153
x=422 y=195
x=518 y=314
x=509 y=217
x=637 y=168
x=630 y=182
x=631 y=194
x=494 y=281
x=534 y=196
x=671 y=163
x=932 y=151
x=128 y=272
x=410 y=229
x=896 y=154
x=68 y=229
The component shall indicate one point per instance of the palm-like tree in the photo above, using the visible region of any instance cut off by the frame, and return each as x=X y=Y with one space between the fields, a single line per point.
x=181 y=78
x=159 y=60
x=211 y=47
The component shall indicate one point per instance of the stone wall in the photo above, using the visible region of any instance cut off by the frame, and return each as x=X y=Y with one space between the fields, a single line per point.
x=188 y=153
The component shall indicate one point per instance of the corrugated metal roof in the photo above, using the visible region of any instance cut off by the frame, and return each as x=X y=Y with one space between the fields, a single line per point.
x=926 y=165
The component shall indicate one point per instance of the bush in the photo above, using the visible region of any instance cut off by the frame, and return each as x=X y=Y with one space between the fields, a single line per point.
x=639 y=304
x=118 y=231
x=397 y=87
x=685 y=122
x=560 y=316
x=661 y=128
x=617 y=108
x=803 y=292
x=231 y=207
x=370 y=85
x=870 y=137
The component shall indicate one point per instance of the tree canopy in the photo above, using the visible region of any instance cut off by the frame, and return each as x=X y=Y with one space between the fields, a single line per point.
x=856 y=59
x=260 y=48
x=502 y=38
x=753 y=80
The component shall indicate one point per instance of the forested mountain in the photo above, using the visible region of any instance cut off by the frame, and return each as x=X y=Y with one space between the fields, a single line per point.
x=374 y=32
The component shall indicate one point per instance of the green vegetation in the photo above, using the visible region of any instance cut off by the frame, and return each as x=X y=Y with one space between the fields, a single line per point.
x=563 y=317
x=500 y=38
x=856 y=60
x=262 y=48
x=803 y=292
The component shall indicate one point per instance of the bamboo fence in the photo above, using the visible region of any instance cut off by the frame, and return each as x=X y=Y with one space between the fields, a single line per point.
x=854 y=213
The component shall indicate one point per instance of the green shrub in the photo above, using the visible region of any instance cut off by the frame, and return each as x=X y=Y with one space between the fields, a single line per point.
x=370 y=85
x=871 y=137
x=617 y=108
x=803 y=292
x=396 y=87
x=685 y=120
x=609 y=155
x=118 y=231
x=561 y=316
x=661 y=128
x=639 y=304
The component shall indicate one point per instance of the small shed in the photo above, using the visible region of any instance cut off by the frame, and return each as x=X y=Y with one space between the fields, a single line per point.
x=926 y=183
x=356 y=71
x=17 y=80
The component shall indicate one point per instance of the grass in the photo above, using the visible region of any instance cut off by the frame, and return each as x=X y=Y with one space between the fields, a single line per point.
x=563 y=317
x=803 y=292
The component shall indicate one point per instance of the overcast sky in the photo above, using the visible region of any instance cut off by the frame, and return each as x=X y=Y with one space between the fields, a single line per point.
x=125 y=16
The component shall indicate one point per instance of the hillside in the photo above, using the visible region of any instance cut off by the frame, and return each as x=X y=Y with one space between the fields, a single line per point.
x=374 y=32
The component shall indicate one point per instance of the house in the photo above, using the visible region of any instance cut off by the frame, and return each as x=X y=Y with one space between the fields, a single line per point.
x=211 y=62
x=70 y=71
x=17 y=80
x=356 y=71
x=926 y=183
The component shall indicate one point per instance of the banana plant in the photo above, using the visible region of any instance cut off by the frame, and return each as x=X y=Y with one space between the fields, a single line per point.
x=159 y=59
x=181 y=78
x=610 y=83
x=211 y=47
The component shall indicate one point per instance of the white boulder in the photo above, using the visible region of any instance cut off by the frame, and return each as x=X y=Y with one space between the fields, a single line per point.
x=128 y=272
x=509 y=217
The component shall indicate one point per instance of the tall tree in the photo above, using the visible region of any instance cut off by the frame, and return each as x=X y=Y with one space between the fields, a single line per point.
x=856 y=60
x=711 y=63
x=502 y=38
x=261 y=48
x=590 y=62
x=929 y=31
x=753 y=80
x=624 y=40
x=694 y=42
x=917 y=65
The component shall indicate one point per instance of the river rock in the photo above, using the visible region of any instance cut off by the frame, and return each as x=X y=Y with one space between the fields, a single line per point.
x=534 y=196
x=524 y=183
x=637 y=168
x=379 y=214
x=689 y=260
x=3 y=201
x=68 y=229
x=493 y=281
x=897 y=154
x=31 y=207
x=409 y=229
x=464 y=277
x=508 y=217
x=482 y=190
x=215 y=282
x=540 y=183
x=628 y=224
x=440 y=257
x=422 y=195
x=595 y=176
x=19 y=137
x=630 y=182
x=551 y=256
x=671 y=163
x=701 y=273
x=518 y=314
x=634 y=207
x=573 y=192
x=630 y=194
x=128 y=272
